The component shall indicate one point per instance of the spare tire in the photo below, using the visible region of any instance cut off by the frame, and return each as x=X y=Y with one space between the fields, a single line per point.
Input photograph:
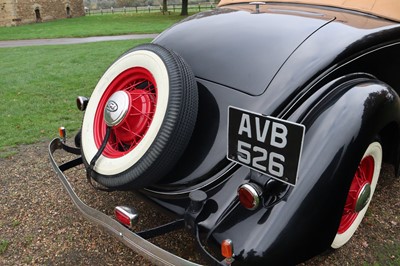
x=148 y=97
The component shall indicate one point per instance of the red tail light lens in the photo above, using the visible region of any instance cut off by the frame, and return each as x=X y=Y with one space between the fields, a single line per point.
x=249 y=195
x=126 y=216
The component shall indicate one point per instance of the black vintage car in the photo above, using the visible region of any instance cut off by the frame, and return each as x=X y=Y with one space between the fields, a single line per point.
x=261 y=126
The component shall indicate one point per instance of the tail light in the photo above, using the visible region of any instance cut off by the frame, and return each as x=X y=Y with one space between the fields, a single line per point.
x=62 y=133
x=81 y=103
x=126 y=215
x=227 y=250
x=249 y=195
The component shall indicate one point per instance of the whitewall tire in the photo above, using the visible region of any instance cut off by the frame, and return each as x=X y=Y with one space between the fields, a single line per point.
x=360 y=194
x=155 y=93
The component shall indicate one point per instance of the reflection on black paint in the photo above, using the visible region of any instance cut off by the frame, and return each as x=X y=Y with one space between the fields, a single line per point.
x=203 y=138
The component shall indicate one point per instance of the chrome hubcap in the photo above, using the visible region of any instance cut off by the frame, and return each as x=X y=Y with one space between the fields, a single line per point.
x=116 y=108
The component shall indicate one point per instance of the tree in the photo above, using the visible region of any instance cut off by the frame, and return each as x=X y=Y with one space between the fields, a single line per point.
x=184 y=10
x=164 y=6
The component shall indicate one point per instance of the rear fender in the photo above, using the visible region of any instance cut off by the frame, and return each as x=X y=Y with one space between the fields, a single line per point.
x=389 y=135
x=339 y=127
x=340 y=124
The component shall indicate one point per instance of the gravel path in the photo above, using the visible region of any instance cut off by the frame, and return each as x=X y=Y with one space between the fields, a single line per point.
x=40 y=226
x=43 y=227
x=18 y=43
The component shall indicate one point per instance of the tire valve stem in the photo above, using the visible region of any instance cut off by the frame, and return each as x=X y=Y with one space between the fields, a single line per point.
x=63 y=134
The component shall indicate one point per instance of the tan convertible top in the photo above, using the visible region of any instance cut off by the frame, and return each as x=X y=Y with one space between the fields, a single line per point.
x=383 y=8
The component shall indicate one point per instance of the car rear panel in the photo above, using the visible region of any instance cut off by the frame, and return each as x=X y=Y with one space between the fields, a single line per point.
x=240 y=48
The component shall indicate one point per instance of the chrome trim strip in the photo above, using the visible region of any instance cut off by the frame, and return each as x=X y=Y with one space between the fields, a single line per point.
x=153 y=253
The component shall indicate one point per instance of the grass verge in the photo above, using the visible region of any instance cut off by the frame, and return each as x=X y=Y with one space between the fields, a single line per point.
x=3 y=245
x=116 y=24
x=388 y=253
x=38 y=87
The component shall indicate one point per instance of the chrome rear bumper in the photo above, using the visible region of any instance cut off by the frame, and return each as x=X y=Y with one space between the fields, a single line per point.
x=153 y=253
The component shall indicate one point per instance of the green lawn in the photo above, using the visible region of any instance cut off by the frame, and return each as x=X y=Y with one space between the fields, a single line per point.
x=99 y=25
x=39 y=85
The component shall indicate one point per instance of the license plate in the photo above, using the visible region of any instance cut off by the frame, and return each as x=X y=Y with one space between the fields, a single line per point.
x=265 y=144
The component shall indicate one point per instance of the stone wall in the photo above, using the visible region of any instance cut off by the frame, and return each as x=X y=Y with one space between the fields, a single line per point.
x=16 y=12
x=7 y=12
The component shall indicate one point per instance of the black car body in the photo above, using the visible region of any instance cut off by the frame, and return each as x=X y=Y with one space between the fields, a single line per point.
x=330 y=73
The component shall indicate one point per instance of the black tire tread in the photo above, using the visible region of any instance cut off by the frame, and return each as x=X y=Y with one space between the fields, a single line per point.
x=174 y=134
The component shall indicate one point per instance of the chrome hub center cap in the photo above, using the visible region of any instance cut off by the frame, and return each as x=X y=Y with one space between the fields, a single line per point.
x=116 y=108
x=363 y=197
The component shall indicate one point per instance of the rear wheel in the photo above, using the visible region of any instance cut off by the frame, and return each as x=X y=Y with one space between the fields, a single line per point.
x=360 y=194
x=148 y=98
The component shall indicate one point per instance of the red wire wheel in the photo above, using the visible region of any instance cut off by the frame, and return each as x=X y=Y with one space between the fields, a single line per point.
x=148 y=97
x=359 y=187
x=139 y=85
x=360 y=194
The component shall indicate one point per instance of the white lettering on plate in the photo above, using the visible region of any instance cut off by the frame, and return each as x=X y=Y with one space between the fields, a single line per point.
x=278 y=134
x=278 y=137
x=261 y=135
x=245 y=125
